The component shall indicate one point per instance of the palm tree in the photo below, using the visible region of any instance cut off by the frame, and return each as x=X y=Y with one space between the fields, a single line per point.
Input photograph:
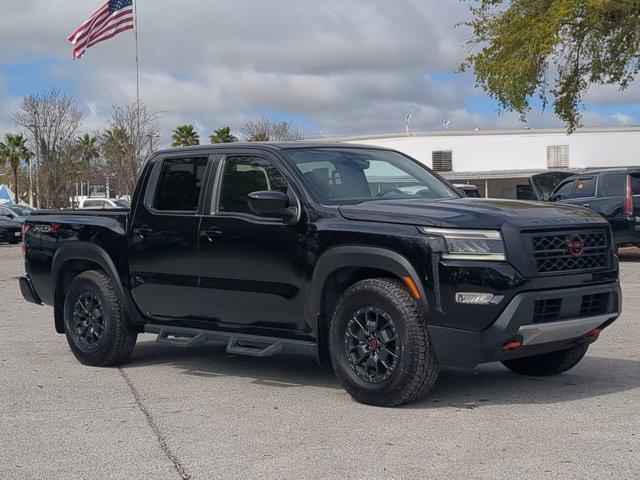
x=223 y=135
x=115 y=148
x=185 y=136
x=14 y=151
x=87 y=150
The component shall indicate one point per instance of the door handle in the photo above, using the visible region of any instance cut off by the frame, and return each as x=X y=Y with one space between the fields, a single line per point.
x=142 y=232
x=586 y=204
x=211 y=235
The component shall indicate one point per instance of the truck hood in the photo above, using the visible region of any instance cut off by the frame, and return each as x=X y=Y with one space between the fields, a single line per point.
x=470 y=213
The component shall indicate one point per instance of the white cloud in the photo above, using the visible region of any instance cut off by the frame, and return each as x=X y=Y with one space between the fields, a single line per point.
x=341 y=66
x=623 y=119
x=607 y=94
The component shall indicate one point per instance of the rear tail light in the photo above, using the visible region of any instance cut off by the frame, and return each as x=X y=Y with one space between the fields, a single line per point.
x=25 y=229
x=629 y=197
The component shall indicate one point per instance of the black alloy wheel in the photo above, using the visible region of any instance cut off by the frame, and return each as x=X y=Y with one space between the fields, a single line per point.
x=95 y=322
x=371 y=343
x=88 y=320
x=379 y=346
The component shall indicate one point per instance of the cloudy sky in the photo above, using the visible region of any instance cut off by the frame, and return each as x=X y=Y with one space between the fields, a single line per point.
x=333 y=66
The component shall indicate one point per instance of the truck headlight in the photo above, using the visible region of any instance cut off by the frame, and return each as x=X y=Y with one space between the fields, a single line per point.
x=470 y=244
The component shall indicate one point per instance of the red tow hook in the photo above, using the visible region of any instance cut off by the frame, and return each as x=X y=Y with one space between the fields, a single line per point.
x=509 y=346
x=594 y=332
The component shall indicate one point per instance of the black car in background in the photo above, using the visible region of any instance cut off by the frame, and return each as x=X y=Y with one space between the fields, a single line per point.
x=10 y=230
x=613 y=193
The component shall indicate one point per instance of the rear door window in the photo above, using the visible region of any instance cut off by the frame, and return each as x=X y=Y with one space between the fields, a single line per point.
x=180 y=184
x=586 y=187
x=612 y=185
x=565 y=190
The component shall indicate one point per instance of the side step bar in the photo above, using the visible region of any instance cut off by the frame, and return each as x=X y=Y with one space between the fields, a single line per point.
x=237 y=343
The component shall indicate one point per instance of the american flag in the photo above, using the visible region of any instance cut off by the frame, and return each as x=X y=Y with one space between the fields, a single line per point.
x=109 y=20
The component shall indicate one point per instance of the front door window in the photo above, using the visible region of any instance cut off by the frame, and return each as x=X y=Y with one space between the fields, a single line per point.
x=245 y=175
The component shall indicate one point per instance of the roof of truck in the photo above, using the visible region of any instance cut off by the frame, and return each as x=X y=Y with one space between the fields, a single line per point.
x=612 y=170
x=268 y=146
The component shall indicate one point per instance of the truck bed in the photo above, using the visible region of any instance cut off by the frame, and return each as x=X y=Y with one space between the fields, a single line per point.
x=53 y=234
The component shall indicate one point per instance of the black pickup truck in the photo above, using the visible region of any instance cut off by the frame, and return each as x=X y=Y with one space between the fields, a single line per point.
x=360 y=255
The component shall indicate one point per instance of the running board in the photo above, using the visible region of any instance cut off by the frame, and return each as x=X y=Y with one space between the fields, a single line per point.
x=237 y=343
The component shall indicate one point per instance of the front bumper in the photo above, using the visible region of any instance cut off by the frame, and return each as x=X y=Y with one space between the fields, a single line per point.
x=464 y=348
x=626 y=231
x=10 y=235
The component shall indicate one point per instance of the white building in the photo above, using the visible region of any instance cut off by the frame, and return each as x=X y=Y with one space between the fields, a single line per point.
x=500 y=161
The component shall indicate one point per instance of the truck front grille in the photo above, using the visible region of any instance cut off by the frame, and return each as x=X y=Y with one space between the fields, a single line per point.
x=595 y=304
x=573 y=251
x=554 y=309
x=547 y=310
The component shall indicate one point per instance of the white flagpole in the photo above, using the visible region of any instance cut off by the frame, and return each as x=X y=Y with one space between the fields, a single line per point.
x=135 y=34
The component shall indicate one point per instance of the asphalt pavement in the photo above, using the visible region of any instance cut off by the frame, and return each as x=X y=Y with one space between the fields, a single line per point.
x=174 y=413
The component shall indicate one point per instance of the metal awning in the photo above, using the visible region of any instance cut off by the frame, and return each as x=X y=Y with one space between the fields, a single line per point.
x=501 y=174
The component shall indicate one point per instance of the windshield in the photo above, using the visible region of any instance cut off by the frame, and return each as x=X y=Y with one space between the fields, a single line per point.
x=122 y=203
x=354 y=175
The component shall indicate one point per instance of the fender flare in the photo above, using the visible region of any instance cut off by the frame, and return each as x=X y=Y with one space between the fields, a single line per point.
x=356 y=256
x=96 y=254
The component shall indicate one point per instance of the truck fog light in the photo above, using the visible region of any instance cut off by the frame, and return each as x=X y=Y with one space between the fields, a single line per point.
x=474 y=298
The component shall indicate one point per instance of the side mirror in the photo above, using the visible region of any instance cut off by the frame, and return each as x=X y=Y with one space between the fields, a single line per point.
x=270 y=203
x=11 y=216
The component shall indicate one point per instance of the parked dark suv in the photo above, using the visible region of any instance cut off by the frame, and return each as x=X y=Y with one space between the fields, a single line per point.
x=10 y=230
x=360 y=255
x=613 y=193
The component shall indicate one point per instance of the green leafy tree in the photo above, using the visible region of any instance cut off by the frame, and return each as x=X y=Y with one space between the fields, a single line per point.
x=185 y=136
x=553 y=49
x=223 y=135
x=87 y=149
x=14 y=151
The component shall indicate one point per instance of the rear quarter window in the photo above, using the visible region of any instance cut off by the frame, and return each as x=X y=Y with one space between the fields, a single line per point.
x=635 y=184
x=612 y=185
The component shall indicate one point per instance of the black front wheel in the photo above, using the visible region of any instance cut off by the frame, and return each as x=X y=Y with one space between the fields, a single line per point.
x=379 y=346
x=94 y=321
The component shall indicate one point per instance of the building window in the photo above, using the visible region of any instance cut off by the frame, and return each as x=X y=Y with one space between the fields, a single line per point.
x=558 y=156
x=442 y=161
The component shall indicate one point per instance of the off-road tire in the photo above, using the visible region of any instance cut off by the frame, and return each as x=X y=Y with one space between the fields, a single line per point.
x=416 y=369
x=547 y=364
x=117 y=343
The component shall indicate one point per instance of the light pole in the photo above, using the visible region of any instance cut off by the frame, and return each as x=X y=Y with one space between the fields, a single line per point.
x=407 y=122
